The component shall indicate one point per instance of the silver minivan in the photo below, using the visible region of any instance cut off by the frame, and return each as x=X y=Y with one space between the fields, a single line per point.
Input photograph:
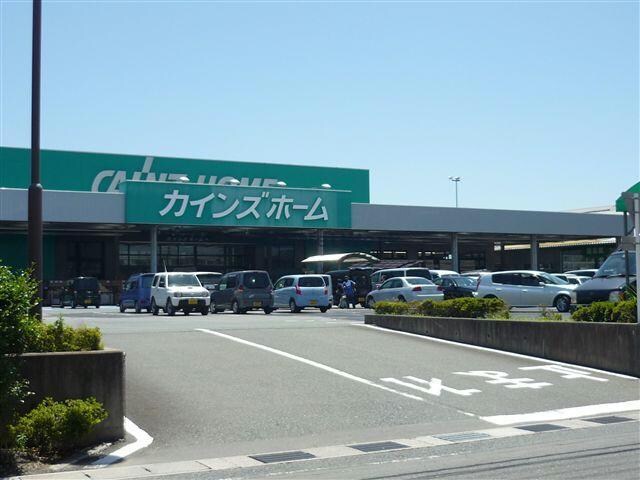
x=527 y=288
x=301 y=291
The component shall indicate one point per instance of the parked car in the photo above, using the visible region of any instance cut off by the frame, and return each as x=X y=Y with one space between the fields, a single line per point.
x=527 y=288
x=379 y=277
x=457 y=286
x=243 y=291
x=209 y=279
x=137 y=293
x=296 y=292
x=571 y=278
x=405 y=289
x=360 y=275
x=609 y=281
x=441 y=273
x=173 y=291
x=585 y=272
x=329 y=283
x=81 y=291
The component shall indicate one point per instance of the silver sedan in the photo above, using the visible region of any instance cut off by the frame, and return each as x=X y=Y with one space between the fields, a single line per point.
x=405 y=289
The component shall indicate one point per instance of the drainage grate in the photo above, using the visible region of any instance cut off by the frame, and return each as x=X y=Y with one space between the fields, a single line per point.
x=378 y=446
x=461 y=437
x=542 y=427
x=283 y=457
x=611 y=419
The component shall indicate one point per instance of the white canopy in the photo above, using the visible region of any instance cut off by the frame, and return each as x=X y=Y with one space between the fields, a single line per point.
x=353 y=257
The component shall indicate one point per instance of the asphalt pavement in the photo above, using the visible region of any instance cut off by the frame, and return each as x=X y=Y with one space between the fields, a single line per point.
x=219 y=386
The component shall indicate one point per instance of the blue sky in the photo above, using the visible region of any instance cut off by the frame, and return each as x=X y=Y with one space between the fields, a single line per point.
x=535 y=105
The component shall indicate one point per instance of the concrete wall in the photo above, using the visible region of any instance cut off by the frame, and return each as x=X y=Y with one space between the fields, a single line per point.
x=609 y=346
x=67 y=375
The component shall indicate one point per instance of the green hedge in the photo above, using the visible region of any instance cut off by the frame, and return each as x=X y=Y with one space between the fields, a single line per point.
x=456 y=307
x=58 y=337
x=53 y=428
x=620 y=312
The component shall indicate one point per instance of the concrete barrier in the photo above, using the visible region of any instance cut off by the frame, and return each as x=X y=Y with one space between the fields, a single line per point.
x=613 y=347
x=66 y=375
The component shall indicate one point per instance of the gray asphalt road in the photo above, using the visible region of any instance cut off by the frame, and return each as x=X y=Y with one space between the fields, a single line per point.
x=221 y=385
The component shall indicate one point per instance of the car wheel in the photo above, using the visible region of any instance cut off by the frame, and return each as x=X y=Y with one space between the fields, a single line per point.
x=324 y=309
x=97 y=305
x=138 y=307
x=85 y=306
x=267 y=310
x=73 y=303
x=122 y=309
x=204 y=311
x=186 y=312
x=154 y=307
x=169 y=308
x=402 y=299
x=293 y=308
x=149 y=310
x=370 y=302
x=212 y=308
x=562 y=303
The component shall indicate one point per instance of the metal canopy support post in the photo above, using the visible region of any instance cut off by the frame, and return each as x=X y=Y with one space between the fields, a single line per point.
x=35 y=188
x=455 y=258
x=154 y=249
x=534 y=252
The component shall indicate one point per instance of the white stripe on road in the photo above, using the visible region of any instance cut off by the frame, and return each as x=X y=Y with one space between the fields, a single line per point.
x=564 y=413
x=493 y=350
x=143 y=440
x=306 y=361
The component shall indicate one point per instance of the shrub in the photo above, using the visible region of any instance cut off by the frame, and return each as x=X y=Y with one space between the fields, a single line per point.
x=58 y=337
x=55 y=427
x=457 y=307
x=596 y=312
x=625 y=312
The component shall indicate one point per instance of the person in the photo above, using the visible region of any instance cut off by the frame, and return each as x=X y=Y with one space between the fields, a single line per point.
x=349 y=289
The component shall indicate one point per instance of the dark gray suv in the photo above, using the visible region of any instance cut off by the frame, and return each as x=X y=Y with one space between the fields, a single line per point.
x=243 y=291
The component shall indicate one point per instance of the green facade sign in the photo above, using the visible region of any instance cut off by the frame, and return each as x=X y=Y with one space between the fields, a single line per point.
x=620 y=205
x=99 y=172
x=172 y=203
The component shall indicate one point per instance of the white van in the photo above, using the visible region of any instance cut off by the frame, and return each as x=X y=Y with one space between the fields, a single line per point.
x=173 y=291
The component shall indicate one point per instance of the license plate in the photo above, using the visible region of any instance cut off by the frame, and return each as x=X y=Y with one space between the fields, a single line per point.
x=313 y=302
x=87 y=302
x=361 y=299
x=257 y=304
x=193 y=301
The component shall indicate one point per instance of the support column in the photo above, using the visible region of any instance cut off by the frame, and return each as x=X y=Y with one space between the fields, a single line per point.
x=320 y=248
x=455 y=258
x=534 y=252
x=154 y=249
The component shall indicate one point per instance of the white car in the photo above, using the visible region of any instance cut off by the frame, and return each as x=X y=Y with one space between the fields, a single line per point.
x=441 y=273
x=527 y=288
x=571 y=278
x=405 y=289
x=296 y=292
x=173 y=291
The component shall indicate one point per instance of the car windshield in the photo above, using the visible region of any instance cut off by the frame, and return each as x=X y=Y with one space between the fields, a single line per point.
x=465 y=282
x=87 y=284
x=553 y=279
x=418 y=281
x=209 y=278
x=183 y=280
x=146 y=281
x=615 y=265
x=256 y=280
x=310 y=282
x=419 y=272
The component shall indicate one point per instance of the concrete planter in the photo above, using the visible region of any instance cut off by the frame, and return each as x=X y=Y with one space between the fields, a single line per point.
x=609 y=346
x=65 y=375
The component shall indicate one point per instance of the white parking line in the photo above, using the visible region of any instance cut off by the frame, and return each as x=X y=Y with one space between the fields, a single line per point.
x=493 y=350
x=143 y=440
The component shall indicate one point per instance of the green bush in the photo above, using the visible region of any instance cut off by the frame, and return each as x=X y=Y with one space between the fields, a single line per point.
x=457 y=307
x=596 y=312
x=55 y=427
x=625 y=312
x=58 y=337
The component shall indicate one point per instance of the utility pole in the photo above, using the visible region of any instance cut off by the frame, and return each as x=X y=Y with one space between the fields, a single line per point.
x=35 y=188
x=456 y=180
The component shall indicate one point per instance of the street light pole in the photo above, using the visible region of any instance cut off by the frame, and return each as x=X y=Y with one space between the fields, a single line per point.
x=35 y=188
x=456 y=180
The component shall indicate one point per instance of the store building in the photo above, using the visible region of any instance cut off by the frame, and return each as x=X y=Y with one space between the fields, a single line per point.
x=112 y=215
